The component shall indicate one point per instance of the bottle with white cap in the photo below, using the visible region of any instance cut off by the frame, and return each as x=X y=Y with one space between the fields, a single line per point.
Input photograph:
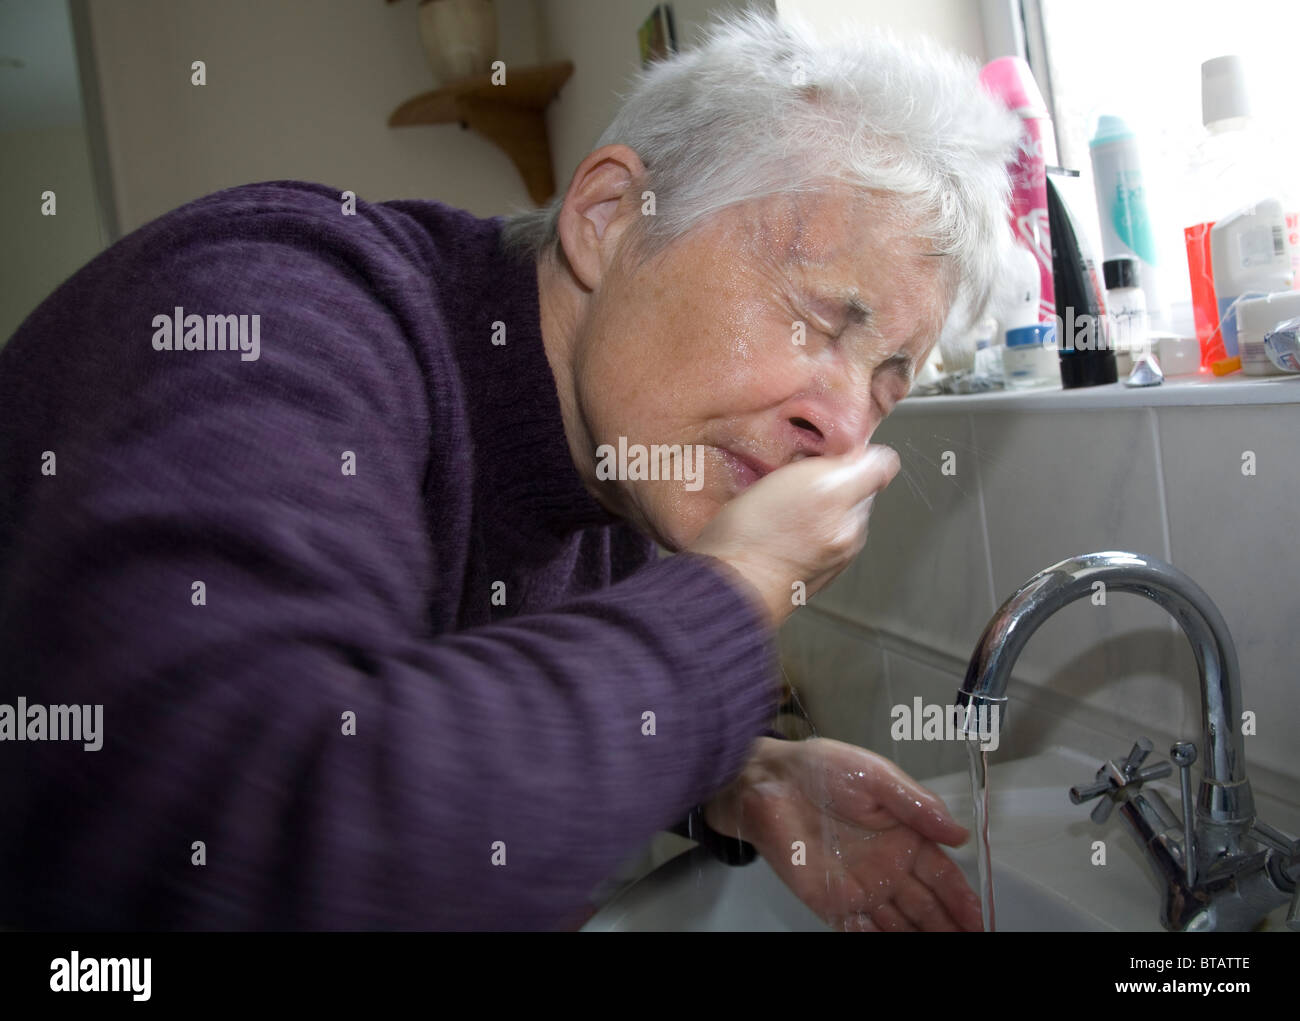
x=1127 y=229
x=1126 y=304
x=1239 y=179
x=1231 y=162
x=1252 y=257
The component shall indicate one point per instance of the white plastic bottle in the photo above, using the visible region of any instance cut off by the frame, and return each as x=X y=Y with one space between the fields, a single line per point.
x=1232 y=162
x=1127 y=229
x=1256 y=319
x=1252 y=254
x=1237 y=163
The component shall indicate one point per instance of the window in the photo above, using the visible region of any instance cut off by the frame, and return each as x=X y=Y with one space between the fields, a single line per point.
x=1141 y=60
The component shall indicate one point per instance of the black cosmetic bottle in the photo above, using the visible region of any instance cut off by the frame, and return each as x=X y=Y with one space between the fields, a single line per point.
x=1082 y=327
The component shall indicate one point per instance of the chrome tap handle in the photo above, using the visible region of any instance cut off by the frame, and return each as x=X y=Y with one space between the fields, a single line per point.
x=1290 y=850
x=1137 y=755
x=1112 y=778
x=1157 y=772
x=1101 y=811
x=1276 y=839
x=1184 y=754
x=1078 y=795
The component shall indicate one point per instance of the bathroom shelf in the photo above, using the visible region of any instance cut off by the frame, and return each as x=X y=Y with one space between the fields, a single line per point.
x=511 y=116
x=1176 y=391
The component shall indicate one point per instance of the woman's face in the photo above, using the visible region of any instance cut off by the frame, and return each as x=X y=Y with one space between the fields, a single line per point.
x=782 y=328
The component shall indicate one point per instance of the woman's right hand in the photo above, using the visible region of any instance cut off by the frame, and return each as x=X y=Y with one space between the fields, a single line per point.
x=803 y=522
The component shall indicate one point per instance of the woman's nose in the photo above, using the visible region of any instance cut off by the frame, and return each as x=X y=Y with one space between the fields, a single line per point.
x=828 y=427
x=833 y=412
x=853 y=428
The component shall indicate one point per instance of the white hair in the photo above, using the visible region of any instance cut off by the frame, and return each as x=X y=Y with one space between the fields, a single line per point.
x=762 y=108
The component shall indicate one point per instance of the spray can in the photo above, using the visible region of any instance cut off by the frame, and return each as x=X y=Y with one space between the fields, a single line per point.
x=1010 y=80
x=1126 y=228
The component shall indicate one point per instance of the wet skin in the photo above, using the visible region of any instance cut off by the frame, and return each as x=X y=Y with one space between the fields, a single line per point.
x=697 y=344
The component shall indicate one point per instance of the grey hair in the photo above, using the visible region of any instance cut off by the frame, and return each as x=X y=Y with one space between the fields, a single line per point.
x=762 y=108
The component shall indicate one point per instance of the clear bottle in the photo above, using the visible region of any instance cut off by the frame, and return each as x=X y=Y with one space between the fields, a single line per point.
x=1230 y=164
x=1126 y=304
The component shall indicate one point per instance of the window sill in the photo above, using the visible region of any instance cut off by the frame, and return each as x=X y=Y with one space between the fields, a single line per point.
x=1177 y=391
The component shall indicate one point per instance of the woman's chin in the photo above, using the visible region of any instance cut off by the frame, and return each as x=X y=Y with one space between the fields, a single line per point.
x=677 y=523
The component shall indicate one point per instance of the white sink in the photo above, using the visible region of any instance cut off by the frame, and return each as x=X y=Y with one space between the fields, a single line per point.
x=1043 y=872
x=694 y=892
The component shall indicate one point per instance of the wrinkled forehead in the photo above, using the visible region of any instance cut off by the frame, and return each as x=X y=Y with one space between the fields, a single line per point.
x=853 y=242
x=830 y=225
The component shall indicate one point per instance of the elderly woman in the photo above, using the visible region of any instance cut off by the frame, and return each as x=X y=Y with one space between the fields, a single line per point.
x=370 y=598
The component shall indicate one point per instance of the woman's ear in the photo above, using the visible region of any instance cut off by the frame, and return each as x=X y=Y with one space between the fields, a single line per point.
x=599 y=205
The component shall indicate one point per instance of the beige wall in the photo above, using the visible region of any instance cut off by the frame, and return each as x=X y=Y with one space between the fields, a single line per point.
x=295 y=89
x=303 y=88
x=599 y=36
x=955 y=23
x=40 y=252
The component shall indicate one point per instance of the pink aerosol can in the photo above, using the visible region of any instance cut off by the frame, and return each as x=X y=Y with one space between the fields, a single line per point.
x=1011 y=81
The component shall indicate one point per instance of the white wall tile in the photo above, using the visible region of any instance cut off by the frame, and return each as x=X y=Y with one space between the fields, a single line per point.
x=839 y=676
x=1059 y=484
x=1236 y=536
x=1056 y=484
x=910 y=679
x=924 y=571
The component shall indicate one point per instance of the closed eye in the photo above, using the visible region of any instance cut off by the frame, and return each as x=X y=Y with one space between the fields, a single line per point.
x=899 y=364
x=842 y=311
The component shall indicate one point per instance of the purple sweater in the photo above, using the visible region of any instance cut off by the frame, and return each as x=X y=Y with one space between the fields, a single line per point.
x=481 y=730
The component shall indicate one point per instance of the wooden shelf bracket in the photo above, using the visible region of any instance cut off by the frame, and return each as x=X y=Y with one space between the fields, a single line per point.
x=511 y=116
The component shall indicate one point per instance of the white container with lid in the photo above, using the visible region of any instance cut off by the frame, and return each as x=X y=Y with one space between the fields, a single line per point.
x=1031 y=359
x=1257 y=317
x=1178 y=356
x=1251 y=253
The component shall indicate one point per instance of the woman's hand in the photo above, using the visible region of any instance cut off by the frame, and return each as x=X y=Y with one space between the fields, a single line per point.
x=871 y=836
x=803 y=523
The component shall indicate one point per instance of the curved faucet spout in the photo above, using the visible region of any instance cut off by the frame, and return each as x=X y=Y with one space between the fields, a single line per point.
x=1224 y=799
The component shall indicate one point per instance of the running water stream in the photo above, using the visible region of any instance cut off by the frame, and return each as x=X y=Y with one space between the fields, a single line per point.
x=979 y=789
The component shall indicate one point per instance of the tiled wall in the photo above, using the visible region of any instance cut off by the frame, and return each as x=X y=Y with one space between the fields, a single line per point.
x=1030 y=488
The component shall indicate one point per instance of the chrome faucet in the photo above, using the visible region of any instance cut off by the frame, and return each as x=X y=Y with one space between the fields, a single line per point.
x=1220 y=867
